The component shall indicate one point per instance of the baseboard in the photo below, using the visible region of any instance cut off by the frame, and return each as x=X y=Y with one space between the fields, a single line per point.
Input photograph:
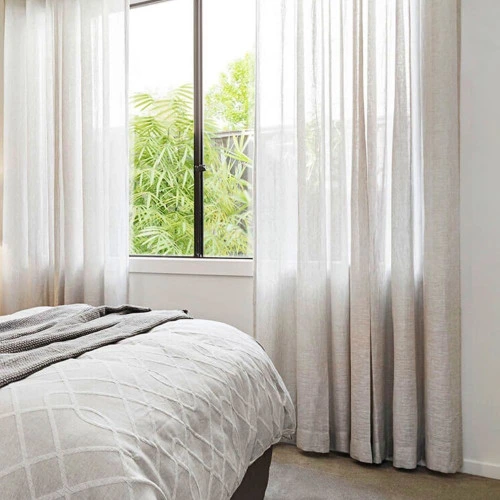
x=481 y=469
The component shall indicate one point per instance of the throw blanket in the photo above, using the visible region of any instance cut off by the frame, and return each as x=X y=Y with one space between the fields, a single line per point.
x=30 y=344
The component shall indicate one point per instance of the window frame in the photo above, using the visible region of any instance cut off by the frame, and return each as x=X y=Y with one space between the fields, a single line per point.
x=198 y=156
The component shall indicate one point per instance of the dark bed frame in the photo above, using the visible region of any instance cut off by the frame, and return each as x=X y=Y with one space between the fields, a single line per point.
x=254 y=484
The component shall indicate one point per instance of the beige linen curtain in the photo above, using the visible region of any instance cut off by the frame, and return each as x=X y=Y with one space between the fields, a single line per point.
x=64 y=197
x=357 y=183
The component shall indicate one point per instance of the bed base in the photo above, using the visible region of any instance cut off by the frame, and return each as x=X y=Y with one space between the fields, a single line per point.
x=254 y=484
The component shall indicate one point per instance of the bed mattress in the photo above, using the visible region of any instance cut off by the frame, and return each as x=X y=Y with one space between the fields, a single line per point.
x=177 y=413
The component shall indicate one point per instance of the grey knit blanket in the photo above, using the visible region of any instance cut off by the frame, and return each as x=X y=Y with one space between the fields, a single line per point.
x=34 y=342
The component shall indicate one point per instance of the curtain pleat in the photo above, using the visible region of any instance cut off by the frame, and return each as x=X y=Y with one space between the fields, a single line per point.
x=356 y=281
x=405 y=409
x=361 y=251
x=65 y=162
x=338 y=231
x=441 y=260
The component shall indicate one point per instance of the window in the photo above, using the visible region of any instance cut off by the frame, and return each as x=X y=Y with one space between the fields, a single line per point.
x=191 y=113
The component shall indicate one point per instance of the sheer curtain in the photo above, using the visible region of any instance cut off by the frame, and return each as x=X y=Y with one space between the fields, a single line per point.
x=65 y=161
x=357 y=265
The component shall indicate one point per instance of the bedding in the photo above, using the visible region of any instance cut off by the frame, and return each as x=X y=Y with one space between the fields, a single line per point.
x=31 y=343
x=177 y=413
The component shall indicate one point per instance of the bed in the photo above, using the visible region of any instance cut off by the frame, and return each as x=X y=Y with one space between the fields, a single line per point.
x=190 y=410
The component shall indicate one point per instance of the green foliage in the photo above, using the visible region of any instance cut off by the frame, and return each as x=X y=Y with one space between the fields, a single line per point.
x=230 y=102
x=162 y=175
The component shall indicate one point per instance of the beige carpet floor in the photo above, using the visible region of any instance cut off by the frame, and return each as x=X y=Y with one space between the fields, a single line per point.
x=296 y=475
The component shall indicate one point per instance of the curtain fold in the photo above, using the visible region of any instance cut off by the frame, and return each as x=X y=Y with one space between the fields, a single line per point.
x=65 y=162
x=356 y=200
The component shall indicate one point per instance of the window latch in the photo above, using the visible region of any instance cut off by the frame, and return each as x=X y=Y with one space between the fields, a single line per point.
x=200 y=168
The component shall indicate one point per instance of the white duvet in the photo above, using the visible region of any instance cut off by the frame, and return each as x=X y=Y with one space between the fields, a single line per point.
x=178 y=413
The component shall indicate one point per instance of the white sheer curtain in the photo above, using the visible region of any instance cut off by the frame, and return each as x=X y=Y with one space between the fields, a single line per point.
x=65 y=161
x=357 y=265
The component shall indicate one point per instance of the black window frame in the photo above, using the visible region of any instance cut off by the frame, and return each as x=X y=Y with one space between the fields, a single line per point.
x=198 y=100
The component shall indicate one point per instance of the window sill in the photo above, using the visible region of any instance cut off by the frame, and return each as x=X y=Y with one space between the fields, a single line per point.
x=191 y=266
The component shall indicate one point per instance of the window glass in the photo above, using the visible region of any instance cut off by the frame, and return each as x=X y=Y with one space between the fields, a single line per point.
x=162 y=124
x=228 y=77
x=161 y=120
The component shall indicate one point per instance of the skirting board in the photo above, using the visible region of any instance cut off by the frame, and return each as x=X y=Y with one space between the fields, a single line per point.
x=481 y=469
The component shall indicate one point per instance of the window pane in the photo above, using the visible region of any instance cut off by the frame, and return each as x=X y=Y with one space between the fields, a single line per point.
x=161 y=118
x=228 y=74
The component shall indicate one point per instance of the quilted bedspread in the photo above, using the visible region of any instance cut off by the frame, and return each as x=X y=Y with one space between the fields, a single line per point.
x=180 y=412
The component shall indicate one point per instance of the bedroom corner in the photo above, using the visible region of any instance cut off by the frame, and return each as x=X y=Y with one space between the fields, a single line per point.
x=249 y=249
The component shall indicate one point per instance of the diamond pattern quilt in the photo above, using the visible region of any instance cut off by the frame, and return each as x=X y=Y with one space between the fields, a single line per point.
x=177 y=413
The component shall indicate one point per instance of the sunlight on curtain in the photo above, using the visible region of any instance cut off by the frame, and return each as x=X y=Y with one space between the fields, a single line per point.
x=357 y=106
x=65 y=191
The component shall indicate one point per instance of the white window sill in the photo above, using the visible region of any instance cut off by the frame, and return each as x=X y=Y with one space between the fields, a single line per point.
x=192 y=266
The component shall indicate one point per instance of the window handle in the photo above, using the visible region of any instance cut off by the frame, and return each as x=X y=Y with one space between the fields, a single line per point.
x=200 y=168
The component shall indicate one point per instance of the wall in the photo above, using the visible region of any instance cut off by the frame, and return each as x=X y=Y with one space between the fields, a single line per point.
x=221 y=290
x=229 y=298
x=221 y=298
x=480 y=235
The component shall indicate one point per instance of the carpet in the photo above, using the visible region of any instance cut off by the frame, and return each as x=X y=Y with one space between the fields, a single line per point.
x=296 y=475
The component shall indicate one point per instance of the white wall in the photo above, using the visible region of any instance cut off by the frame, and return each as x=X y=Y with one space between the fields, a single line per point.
x=229 y=298
x=480 y=235
x=222 y=298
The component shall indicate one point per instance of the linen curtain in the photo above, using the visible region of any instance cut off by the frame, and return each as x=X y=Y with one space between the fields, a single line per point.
x=357 y=246
x=65 y=161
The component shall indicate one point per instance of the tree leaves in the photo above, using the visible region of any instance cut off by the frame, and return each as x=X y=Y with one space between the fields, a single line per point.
x=162 y=131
